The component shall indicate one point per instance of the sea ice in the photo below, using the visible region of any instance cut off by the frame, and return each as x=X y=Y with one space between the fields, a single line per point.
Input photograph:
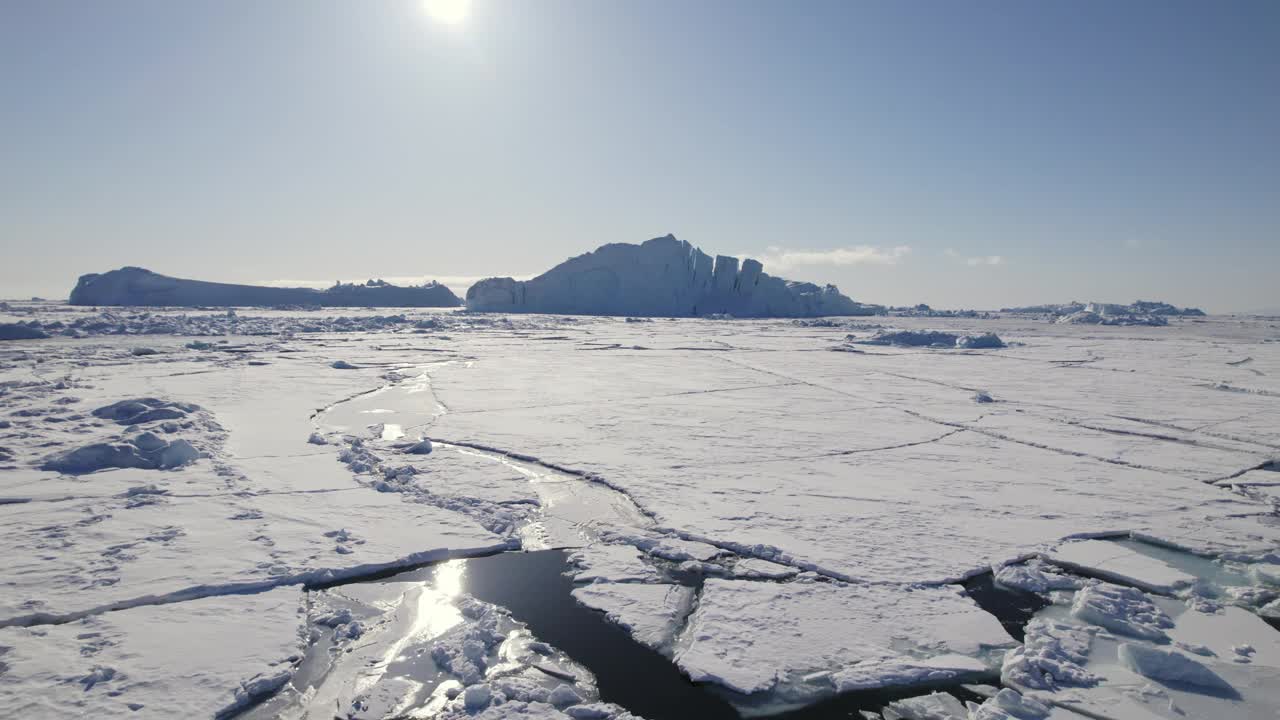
x=871 y=637
x=652 y=613
x=1172 y=668
x=1118 y=563
x=202 y=658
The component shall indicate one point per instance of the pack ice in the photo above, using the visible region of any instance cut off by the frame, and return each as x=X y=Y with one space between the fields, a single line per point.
x=269 y=513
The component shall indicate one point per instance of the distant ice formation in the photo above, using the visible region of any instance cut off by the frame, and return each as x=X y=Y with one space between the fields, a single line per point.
x=1142 y=312
x=663 y=277
x=19 y=331
x=934 y=338
x=137 y=286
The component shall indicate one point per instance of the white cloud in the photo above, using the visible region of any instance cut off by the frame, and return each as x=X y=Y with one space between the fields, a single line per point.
x=777 y=259
x=985 y=260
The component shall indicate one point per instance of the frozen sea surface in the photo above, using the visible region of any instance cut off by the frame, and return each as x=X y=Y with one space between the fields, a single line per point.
x=764 y=515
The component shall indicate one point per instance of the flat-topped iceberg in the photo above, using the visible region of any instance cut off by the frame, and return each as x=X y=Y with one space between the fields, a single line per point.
x=1142 y=312
x=663 y=277
x=138 y=286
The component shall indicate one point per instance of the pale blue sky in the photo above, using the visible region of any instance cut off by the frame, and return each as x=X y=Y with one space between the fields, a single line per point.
x=973 y=154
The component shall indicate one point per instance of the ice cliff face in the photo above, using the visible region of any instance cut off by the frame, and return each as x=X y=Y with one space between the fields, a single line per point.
x=136 y=286
x=663 y=277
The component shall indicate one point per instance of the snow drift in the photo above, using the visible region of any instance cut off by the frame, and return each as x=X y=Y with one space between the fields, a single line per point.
x=137 y=286
x=663 y=277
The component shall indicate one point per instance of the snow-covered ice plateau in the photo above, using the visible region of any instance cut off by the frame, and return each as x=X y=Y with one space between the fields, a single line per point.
x=269 y=513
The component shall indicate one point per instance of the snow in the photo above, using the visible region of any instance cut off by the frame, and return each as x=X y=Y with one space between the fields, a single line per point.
x=1034 y=577
x=830 y=500
x=754 y=568
x=1171 y=667
x=1123 y=610
x=1136 y=655
x=1053 y=655
x=201 y=658
x=1118 y=563
x=652 y=613
x=803 y=626
x=617 y=563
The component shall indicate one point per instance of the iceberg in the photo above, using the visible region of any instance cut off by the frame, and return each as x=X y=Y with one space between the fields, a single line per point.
x=1141 y=312
x=138 y=286
x=663 y=277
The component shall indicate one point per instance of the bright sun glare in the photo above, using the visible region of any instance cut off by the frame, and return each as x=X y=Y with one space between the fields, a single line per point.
x=448 y=12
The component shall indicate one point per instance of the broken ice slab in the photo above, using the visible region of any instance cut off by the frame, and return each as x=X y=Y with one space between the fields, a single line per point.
x=756 y=569
x=417 y=645
x=1134 y=655
x=598 y=562
x=77 y=555
x=754 y=637
x=1118 y=563
x=652 y=613
x=201 y=658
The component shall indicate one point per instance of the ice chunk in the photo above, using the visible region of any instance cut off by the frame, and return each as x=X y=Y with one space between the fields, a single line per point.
x=749 y=636
x=935 y=706
x=149 y=442
x=755 y=568
x=652 y=613
x=564 y=696
x=98 y=456
x=1266 y=574
x=1053 y=655
x=913 y=338
x=1173 y=668
x=981 y=341
x=19 y=331
x=176 y=454
x=144 y=410
x=422 y=447
x=613 y=563
x=102 y=456
x=1018 y=705
x=1123 y=610
x=476 y=697
x=1032 y=577
x=1115 y=562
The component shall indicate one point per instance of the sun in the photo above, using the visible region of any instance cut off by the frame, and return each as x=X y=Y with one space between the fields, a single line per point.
x=448 y=12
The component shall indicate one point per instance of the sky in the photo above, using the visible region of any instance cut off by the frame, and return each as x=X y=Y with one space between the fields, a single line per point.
x=962 y=154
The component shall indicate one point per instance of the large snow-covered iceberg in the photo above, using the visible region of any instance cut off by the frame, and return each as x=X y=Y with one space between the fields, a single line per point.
x=663 y=277
x=138 y=286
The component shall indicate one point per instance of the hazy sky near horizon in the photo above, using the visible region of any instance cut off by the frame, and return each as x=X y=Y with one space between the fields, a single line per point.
x=963 y=154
